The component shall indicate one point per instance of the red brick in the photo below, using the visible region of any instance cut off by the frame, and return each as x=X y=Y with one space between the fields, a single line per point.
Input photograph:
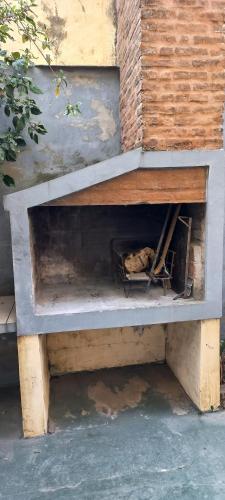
x=171 y=55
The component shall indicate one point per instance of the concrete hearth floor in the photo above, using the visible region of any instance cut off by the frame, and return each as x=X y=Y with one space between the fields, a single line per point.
x=86 y=296
x=127 y=433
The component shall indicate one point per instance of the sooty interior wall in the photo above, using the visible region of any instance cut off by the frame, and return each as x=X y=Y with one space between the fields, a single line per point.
x=74 y=243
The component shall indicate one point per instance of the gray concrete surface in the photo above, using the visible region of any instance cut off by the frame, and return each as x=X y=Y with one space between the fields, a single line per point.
x=126 y=433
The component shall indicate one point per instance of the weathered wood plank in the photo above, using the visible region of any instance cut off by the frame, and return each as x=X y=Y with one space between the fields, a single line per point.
x=34 y=384
x=95 y=349
x=176 y=185
x=192 y=353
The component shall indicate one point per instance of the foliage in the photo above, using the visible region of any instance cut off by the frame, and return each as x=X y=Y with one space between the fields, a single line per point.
x=17 y=89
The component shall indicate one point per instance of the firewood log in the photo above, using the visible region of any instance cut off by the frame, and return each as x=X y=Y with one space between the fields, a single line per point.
x=139 y=261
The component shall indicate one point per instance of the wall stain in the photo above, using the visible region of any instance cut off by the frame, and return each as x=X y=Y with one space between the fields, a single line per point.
x=85 y=81
x=55 y=28
x=111 y=12
x=104 y=119
x=58 y=163
x=82 y=6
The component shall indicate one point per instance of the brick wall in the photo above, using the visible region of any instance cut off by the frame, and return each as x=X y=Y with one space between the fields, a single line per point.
x=129 y=59
x=175 y=76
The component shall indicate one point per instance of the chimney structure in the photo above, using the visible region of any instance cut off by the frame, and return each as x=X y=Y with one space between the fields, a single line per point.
x=171 y=58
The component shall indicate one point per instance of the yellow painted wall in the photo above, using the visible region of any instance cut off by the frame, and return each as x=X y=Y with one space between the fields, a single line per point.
x=83 y=31
x=95 y=349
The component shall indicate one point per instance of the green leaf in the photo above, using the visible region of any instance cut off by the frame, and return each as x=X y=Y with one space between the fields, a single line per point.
x=19 y=123
x=2 y=154
x=20 y=141
x=30 y=20
x=25 y=38
x=72 y=109
x=15 y=55
x=22 y=89
x=41 y=129
x=35 y=138
x=22 y=123
x=15 y=121
x=7 y=110
x=10 y=155
x=35 y=89
x=27 y=114
x=35 y=110
x=8 y=180
x=9 y=90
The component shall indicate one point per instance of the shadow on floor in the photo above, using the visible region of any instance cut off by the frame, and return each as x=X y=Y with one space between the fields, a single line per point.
x=10 y=413
x=104 y=395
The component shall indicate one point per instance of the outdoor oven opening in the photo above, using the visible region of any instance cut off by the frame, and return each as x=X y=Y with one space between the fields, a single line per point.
x=91 y=258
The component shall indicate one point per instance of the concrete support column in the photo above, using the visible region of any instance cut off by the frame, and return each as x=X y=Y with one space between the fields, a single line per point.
x=34 y=384
x=193 y=354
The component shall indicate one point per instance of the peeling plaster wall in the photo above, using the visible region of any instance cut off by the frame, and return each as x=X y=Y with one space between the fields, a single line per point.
x=82 y=32
x=71 y=143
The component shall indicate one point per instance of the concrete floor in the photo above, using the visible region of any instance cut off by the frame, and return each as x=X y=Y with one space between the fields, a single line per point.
x=127 y=433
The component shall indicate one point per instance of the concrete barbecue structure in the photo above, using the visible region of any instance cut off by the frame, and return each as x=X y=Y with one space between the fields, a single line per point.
x=72 y=311
x=186 y=329
x=117 y=312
